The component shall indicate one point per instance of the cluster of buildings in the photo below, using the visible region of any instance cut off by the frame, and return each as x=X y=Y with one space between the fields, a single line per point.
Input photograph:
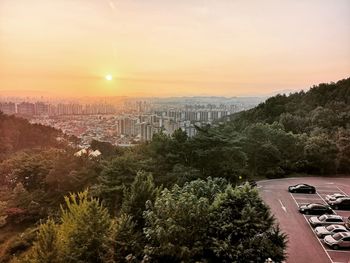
x=128 y=122
x=29 y=109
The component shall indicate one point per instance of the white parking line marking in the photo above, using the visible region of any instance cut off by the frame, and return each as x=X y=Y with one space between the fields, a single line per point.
x=282 y=205
x=340 y=251
x=303 y=198
x=327 y=192
x=342 y=191
x=307 y=221
x=321 y=198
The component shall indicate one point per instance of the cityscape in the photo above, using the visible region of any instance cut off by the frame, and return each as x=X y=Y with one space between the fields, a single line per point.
x=163 y=131
x=130 y=121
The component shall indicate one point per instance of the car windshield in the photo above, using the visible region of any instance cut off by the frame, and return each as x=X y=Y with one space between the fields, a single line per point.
x=337 y=236
x=330 y=228
x=321 y=218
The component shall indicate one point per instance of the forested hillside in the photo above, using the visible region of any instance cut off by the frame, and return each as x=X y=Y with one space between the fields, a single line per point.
x=174 y=199
x=18 y=134
x=305 y=132
x=326 y=106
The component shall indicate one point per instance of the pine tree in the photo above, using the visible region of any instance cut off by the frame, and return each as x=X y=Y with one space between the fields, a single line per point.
x=86 y=229
x=135 y=198
x=45 y=249
x=129 y=238
x=129 y=241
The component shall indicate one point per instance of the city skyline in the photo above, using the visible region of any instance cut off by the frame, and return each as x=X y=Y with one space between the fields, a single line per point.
x=171 y=48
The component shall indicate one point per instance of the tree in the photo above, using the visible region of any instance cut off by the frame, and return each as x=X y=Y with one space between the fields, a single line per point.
x=107 y=149
x=263 y=156
x=181 y=174
x=86 y=230
x=27 y=168
x=321 y=153
x=343 y=145
x=129 y=236
x=70 y=174
x=242 y=228
x=45 y=248
x=116 y=174
x=177 y=226
x=294 y=123
x=129 y=241
x=83 y=234
x=218 y=155
x=135 y=197
x=211 y=221
x=323 y=117
x=177 y=223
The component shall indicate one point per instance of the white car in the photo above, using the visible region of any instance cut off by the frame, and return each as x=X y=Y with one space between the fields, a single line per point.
x=322 y=231
x=334 y=197
x=338 y=240
x=326 y=220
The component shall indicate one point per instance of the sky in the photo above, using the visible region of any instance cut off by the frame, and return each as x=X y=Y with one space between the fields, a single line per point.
x=171 y=47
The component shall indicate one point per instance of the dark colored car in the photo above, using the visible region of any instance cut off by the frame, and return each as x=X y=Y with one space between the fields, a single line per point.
x=302 y=188
x=342 y=203
x=315 y=209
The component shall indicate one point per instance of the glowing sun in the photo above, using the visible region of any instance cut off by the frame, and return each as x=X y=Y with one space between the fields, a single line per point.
x=109 y=77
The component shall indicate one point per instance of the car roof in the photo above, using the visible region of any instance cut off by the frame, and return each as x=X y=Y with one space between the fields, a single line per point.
x=345 y=234
x=336 y=194
x=317 y=204
x=339 y=226
x=333 y=216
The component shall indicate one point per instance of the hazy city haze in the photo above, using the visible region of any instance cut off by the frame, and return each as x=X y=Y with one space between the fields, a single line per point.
x=171 y=48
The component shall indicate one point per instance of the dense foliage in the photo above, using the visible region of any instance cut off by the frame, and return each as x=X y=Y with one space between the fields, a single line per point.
x=18 y=134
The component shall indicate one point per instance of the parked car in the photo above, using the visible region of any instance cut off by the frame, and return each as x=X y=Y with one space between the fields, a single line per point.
x=315 y=209
x=338 y=240
x=322 y=231
x=302 y=188
x=347 y=224
x=326 y=220
x=342 y=203
x=334 y=197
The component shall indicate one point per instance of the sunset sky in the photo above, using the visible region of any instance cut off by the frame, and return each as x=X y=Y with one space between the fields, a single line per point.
x=171 y=48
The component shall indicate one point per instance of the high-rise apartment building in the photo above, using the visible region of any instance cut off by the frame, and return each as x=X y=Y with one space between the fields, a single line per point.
x=8 y=107
x=26 y=108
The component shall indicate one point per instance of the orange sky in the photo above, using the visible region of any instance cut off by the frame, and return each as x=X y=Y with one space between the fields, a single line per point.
x=171 y=48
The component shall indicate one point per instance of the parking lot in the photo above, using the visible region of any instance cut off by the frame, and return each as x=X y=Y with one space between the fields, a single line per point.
x=303 y=245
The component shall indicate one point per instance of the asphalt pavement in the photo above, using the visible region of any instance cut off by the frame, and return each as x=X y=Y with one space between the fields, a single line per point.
x=303 y=244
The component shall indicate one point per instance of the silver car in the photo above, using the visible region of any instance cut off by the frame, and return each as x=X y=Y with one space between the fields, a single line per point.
x=338 y=240
x=326 y=220
x=322 y=231
x=334 y=197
